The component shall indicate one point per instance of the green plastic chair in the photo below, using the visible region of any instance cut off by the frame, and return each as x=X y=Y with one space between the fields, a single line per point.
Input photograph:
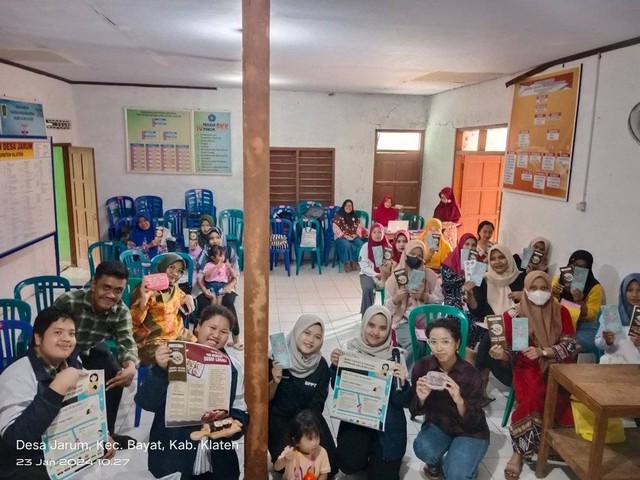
x=44 y=288
x=110 y=250
x=364 y=217
x=230 y=221
x=137 y=263
x=433 y=312
x=507 y=410
x=416 y=222
x=188 y=274
x=132 y=283
x=15 y=309
x=298 y=226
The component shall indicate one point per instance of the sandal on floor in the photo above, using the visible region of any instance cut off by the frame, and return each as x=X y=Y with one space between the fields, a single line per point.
x=431 y=472
x=512 y=471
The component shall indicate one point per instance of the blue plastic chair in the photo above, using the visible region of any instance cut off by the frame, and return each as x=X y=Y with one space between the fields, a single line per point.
x=432 y=312
x=304 y=206
x=198 y=202
x=230 y=221
x=117 y=208
x=281 y=227
x=287 y=212
x=13 y=308
x=110 y=250
x=150 y=203
x=15 y=336
x=44 y=288
x=298 y=227
x=186 y=282
x=137 y=263
x=175 y=220
x=364 y=218
x=123 y=222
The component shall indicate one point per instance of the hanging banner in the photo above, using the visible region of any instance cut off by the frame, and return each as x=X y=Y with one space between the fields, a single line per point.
x=212 y=142
x=541 y=134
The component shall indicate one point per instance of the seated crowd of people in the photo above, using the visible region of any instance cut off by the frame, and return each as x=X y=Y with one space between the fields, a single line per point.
x=562 y=321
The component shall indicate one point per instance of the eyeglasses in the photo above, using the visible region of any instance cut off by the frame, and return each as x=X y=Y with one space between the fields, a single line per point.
x=445 y=342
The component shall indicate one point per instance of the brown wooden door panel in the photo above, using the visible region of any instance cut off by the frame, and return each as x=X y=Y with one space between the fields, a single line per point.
x=85 y=229
x=481 y=191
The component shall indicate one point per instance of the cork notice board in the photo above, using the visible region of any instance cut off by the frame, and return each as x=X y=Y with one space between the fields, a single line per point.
x=541 y=132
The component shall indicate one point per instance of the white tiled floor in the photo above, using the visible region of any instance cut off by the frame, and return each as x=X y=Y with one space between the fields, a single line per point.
x=335 y=297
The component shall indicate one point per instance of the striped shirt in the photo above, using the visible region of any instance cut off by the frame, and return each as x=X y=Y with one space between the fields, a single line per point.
x=93 y=327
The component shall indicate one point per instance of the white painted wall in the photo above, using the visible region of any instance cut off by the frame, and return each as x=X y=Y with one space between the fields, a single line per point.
x=611 y=218
x=344 y=122
x=57 y=100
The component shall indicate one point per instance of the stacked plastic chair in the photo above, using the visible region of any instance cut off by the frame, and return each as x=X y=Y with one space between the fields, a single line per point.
x=152 y=204
x=198 y=202
x=117 y=208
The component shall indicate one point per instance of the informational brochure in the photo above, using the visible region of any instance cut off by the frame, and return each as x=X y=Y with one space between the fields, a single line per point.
x=526 y=256
x=362 y=388
x=378 y=255
x=495 y=326
x=416 y=277
x=519 y=334
x=579 y=280
x=76 y=438
x=199 y=385
x=433 y=242
x=610 y=319
x=279 y=349
x=474 y=271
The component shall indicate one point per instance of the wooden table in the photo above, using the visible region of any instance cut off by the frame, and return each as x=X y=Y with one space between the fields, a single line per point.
x=608 y=391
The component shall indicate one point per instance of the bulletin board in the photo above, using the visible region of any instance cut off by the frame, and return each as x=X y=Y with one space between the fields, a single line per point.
x=27 y=209
x=178 y=141
x=541 y=134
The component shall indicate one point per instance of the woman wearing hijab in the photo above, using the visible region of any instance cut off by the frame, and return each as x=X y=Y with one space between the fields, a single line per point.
x=452 y=272
x=500 y=290
x=400 y=240
x=304 y=386
x=215 y=236
x=623 y=347
x=541 y=245
x=436 y=256
x=206 y=224
x=360 y=448
x=370 y=276
x=401 y=299
x=448 y=212
x=385 y=212
x=348 y=233
x=155 y=315
x=588 y=301
x=551 y=340
x=143 y=236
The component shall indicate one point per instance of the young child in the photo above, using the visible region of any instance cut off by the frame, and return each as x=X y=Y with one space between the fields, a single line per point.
x=304 y=457
x=216 y=274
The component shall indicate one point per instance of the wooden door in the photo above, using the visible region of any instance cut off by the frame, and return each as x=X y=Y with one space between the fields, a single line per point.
x=83 y=209
x=481 y=190
x=399 y=174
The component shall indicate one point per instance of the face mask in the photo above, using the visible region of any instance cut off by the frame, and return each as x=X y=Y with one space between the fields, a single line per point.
x=413 y=262
x=538 y=297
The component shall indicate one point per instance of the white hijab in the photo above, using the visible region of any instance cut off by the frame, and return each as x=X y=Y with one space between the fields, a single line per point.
x=303 y=365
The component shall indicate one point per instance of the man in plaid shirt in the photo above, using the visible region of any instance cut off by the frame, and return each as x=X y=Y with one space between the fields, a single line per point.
x=102 y=315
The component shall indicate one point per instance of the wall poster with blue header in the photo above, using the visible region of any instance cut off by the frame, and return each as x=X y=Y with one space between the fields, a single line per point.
x=21 y=119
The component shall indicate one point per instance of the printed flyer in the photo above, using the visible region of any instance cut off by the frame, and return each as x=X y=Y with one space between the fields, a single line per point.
x=76 y=437
x=361 y=392
x=199 y=385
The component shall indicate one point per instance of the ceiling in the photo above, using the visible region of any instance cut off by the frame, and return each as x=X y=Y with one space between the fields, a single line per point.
x=418 y=47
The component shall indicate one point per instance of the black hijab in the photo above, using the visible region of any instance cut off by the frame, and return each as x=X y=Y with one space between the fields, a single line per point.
x=591 y=280
x=349 y=218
